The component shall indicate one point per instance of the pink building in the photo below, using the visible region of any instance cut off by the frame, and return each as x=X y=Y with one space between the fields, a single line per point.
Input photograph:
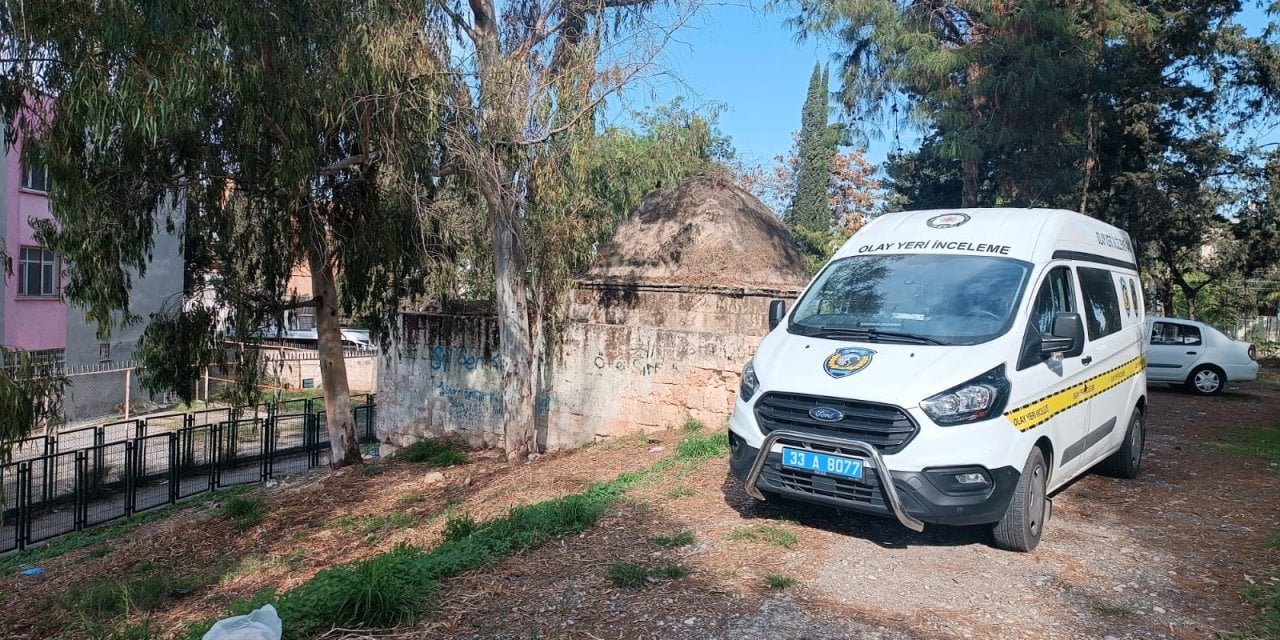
x=33 y=315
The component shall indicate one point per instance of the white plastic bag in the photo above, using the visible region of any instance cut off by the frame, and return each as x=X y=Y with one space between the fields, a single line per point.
x=261 y=624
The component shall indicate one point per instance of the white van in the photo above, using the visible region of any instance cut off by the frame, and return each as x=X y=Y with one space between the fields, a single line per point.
x=982 y=358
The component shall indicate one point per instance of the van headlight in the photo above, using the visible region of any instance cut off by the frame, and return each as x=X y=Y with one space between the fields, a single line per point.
x=749 y=382
x=977 y=399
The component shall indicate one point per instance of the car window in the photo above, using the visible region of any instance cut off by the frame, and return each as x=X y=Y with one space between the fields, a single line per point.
x=1101 y=304
x=1055 y=296
x=1172 y=333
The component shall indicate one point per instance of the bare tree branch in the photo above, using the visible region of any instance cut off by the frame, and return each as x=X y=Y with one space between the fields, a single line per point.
x=348 y=162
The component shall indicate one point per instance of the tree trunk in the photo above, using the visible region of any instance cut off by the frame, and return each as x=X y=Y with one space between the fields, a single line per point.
x=969 y=184
x=513 y=325
x=344 y=445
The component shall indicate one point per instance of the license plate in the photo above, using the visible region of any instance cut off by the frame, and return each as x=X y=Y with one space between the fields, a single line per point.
x=822 y=463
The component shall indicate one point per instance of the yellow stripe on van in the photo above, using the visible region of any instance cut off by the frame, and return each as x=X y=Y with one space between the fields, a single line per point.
x=1036 y=413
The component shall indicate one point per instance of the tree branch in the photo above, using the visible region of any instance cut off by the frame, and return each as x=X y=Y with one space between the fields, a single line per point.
x=345 y=163
x=459 y=21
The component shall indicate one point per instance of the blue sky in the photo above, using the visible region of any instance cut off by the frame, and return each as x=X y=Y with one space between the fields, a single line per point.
x=746 y=61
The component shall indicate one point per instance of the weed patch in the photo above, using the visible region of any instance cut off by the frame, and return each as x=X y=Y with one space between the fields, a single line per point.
x=691 y=425
x=701 y=447
x=681 y=492
x=767 y=534
x=375 y=527
x=245 y=510
x=115 y=597
x=633 y=576
x=435 y=453
x=681 y=539
x=778 y=582
x=1262 y=443
x=1266 y=597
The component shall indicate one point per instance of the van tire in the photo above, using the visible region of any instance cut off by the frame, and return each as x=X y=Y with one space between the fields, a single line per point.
x=1206 y=380
x=1126 y=462
x=1024 y=519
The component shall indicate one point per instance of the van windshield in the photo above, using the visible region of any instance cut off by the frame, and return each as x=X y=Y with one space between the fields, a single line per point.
x=912 y=299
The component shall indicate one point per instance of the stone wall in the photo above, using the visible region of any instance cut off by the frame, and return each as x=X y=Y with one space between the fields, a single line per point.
x=631 y=357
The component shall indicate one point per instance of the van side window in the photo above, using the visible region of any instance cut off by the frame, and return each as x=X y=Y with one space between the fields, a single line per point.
x=1055 y=296
x=1101 y=304
x=1168 y=333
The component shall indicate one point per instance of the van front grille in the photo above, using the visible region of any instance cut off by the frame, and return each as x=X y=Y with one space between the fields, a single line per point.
x=865 y=492
x=883 y=426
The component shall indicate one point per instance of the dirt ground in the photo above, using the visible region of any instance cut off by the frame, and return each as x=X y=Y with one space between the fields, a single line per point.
x=1164 y=556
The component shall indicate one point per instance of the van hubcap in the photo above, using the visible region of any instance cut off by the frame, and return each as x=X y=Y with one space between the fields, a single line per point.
x=1135 y=443
x=1035 y=501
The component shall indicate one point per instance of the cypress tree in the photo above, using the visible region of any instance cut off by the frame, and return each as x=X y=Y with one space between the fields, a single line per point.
x=809 y=207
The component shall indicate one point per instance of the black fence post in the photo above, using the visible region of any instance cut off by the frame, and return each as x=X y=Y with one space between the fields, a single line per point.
x=99 y=450
x=81 y=483
x=213 y=447
x=23 y=524
x=47 y=486
x=139 y=429
x=174 y=475
x=268 y=449
x=130 y=481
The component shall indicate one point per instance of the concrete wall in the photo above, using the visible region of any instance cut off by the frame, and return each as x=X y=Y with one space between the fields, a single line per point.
x=633 y=357
x=291 y=368
x=162 y=284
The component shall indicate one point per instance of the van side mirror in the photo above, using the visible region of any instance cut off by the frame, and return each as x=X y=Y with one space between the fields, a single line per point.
x=1067 y=337
x=777 y=311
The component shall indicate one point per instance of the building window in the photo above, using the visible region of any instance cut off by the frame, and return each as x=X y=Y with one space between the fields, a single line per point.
x=37 y=273
x=104 y=351
x=35 y=177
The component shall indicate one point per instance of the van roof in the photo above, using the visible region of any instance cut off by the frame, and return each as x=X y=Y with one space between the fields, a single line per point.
x=1033 y=235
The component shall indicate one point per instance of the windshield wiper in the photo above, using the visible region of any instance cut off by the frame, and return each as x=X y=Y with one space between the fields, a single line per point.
x=871 y=334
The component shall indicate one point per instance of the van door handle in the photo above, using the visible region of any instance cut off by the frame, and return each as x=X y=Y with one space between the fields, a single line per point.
x=1086 y=360
x=1191 y=353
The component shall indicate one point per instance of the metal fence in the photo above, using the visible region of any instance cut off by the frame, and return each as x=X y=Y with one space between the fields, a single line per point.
x=98 y=474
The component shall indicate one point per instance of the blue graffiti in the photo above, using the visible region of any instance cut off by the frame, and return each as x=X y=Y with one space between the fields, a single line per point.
x=445 y=357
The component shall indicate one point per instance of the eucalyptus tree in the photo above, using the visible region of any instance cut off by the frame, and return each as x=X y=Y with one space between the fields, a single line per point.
x=269 y=135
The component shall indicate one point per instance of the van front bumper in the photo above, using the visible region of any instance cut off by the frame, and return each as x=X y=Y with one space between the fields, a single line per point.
x=914 y=497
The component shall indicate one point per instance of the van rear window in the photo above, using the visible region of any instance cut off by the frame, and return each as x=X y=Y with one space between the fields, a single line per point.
x=1101 y=304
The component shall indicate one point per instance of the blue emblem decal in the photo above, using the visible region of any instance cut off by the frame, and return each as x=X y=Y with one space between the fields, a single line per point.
x=826 y=414
x=848 y=361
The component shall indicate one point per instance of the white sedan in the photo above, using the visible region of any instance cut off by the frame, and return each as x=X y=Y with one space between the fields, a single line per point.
x=1197 y=356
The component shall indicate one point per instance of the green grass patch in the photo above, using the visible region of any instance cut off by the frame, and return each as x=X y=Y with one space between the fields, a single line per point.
x=1111 y=610
x=375 y=527
x=101 y=535
x=629 y=575
x=1275 y=541
x=1266 y=597
x=682 y=539
x=435 y=453
x=691 y=425
x=119 y=596
x=779 y=582
x=246 y=510
x=681 y=492
x=770 y=534
x=394 y=588
x=95 y=630
x=411 y=499
x=1262 y=443
x=702 y=447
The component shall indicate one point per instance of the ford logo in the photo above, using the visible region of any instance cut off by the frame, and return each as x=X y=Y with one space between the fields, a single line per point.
x=826 y=414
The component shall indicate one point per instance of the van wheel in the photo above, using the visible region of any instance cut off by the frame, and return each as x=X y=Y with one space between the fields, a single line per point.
x=1125 y=462
x=1024 y=519
x=1206 y=381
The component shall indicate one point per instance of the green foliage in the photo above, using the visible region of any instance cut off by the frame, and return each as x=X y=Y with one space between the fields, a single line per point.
x=436 y=453
x=672 y=571
x=245 y=510
x=165 y=368
x=702 y=447
x=94 y=630
x=31 y=390
x=1266 y=597
x=810 y=209
x=459 y=527
x=385 y=591
x=114 y=597
x=681 y=492
x=683 y=538
x=769 y=534
x=779 y=582
x=375 y=527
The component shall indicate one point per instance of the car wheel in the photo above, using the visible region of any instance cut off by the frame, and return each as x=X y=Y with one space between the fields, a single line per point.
x=1024 y=519
x=1125 y=462
x=1206 y=380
